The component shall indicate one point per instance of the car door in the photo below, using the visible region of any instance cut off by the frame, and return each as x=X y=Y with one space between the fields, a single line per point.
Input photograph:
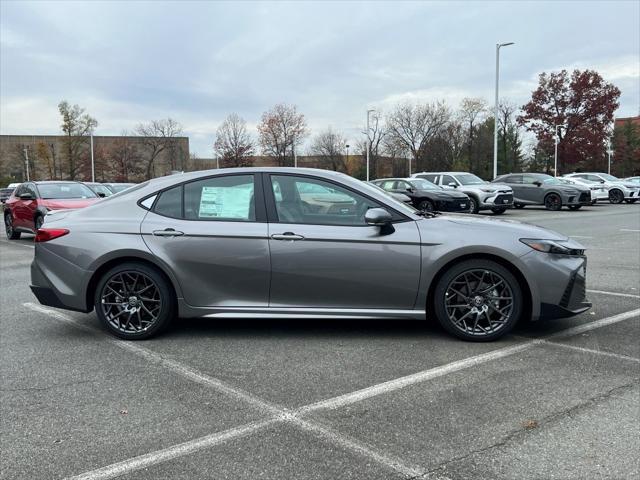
x=212 y=233
x=531 y=192
x=515 y=182
x=331 y=258
x=24 y=210
x=446 y=182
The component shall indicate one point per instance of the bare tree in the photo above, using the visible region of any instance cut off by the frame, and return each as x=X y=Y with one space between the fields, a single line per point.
x=46 y=158
x=331 y=146
x=510 y=140
x=377 y=132
x=125 y=159
x=233 y=143
x=157 y=136
x=280 y=130
x=471 y=111
x=414 y=125
x=77 y=126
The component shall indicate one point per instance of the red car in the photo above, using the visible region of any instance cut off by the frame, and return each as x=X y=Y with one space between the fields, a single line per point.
x=25 y=209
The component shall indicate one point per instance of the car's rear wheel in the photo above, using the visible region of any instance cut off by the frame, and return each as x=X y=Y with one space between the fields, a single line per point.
x=134 y=301
x=616 y=196
x=498 y=211
x=518 y=205
x=574 y=207
x=478 y=300
x=553 y=202
x=426 y=206
x=8 y=227
x=473 y=205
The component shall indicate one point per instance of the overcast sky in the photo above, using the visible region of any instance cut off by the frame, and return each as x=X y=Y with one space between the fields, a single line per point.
x=127 y=62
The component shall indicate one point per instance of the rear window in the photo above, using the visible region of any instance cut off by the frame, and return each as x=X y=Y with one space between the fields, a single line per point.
x=51 y=191
x=169 y=203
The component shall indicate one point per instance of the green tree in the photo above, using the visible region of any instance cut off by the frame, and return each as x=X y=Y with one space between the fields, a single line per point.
x=76 y=126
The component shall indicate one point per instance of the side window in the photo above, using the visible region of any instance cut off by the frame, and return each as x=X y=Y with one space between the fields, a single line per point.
x=428 y=176
x=513 y=179
x=446 y=180
x=388 y=185
x=595 y=178
x=169 y=203
x=220 y=198
x=528 y=179
x=19 y=191
x=402 y=186
x=316 y=202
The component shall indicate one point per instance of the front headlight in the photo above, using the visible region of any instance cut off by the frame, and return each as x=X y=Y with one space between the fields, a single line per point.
x=551 y=246
x=488 y=190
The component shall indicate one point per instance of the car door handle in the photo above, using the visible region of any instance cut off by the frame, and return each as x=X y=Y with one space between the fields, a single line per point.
x=167 y=232
x=287 y=236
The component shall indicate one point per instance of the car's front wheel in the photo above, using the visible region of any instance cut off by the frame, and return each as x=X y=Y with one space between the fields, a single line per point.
x=8 y=227
x=134 y=301
x=478 y=300
x=553 y=202
x=473 y=205
x=616 y=196
x=426 y=206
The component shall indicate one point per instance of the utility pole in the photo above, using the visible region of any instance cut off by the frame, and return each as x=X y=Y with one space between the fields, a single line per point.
x=555 y=155
x=93 y=165
x=26 y=160
x=368 y=141
x=495 y=116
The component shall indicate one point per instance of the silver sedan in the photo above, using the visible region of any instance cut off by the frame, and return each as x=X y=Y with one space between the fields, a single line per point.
x=285 y=242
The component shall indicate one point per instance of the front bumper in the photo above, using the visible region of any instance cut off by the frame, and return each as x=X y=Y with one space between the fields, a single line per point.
x=582 y=198
x=454 y=205
x=496 y=200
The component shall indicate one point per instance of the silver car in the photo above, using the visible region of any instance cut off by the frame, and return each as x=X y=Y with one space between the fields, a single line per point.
x=619 y=190
x=482 y=195
x=542 y=189
x=287 y=242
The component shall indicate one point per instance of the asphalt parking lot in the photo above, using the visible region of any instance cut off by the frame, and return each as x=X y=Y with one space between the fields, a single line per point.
x=275 y=399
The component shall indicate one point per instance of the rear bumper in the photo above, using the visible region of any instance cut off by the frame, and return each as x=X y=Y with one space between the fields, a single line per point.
x=54 y=290
x=47 y=296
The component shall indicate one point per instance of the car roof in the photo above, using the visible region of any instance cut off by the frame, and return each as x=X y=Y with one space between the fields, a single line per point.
x=445 y=173
x=50 y=182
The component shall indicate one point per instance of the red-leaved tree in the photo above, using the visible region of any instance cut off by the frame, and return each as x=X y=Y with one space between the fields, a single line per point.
x=584 y=103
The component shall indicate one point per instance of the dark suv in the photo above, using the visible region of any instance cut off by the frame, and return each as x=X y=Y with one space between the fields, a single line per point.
x=425 y=195
x=542 y=189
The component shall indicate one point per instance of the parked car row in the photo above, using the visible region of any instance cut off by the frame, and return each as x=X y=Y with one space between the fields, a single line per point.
x=427 y=191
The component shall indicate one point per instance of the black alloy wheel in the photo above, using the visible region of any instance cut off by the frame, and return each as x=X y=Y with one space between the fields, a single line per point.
x=473 y=205
x=478 y=300
x=553 y=202
x=616 y=196
x=426 y=206
x=134 y=301
x=8 y=227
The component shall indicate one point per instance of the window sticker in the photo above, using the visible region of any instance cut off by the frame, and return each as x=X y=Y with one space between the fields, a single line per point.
x=225 y=202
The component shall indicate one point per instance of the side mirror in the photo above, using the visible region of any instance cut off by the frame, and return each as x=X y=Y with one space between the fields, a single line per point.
x=26 y=196
x=378 y=217
x=101 y=194
x=454 y=185
x=601 y=181
x=409 y=189
x=537 y=183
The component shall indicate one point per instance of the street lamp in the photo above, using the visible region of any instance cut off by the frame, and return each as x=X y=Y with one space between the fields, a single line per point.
x=368 y=141
x=26 y=161
x=93 y=165
x=495 y=117
x=347 y=147
x=555 y=154
x=609 y=152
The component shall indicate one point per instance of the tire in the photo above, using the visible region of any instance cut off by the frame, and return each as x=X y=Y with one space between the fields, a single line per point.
x=8 y=227
x=574 y=207
x=473 y=205
x=498 y=211
x=126 y=315
x=616 y=196
x=519 y=206
x=476 y=275
x=553 y=202
x=37 y=223
x=593 y=202
x=426 y=206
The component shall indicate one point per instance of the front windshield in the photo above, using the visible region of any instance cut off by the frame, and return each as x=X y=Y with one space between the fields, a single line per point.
x=397 y=204
x=610 y=178
x=101 y=189
x=55 y=191
x=469 y=179
x=423 y=184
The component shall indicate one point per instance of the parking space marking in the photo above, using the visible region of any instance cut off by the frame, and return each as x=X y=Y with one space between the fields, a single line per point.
x=615 y=294
x=143 y=461
x=19 y=244
x=593 y=350
x=279 y=414
x=629 y=230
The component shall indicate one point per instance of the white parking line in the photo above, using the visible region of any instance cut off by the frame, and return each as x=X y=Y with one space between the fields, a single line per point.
x=18 y=244
x=293 y=418
x=615 y=294
x=594 y=351
x=629 y=230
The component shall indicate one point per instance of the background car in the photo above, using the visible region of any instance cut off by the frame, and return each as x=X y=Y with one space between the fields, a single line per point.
x=619 y=190
x=401 y=197
x=5 y=193
x=426 y=196
x=482 y=195
x=598 y=191
x=543 y=189
x=100 y=189
x=635 y=180
x=25 y=210
x=235 y=242
x=118 y=187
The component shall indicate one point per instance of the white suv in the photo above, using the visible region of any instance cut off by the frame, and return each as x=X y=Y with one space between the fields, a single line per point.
x=619 y=190
x=496 y=197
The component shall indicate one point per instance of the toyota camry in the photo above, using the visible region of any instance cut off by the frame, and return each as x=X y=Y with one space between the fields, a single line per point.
x=300 y=243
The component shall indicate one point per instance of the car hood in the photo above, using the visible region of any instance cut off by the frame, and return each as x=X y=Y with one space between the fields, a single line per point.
x=499 y=226
x=444 y=194
x=68 y=204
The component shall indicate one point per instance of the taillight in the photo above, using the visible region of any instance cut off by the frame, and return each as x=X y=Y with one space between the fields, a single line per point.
x=46 y=234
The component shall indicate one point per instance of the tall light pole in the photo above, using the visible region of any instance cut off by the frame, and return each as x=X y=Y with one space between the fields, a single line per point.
x=347 y=147
x=609 y=152
x=495 y=116
x=368 y=141
x=93 y=165
x=555 y=154
x=26 y=161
